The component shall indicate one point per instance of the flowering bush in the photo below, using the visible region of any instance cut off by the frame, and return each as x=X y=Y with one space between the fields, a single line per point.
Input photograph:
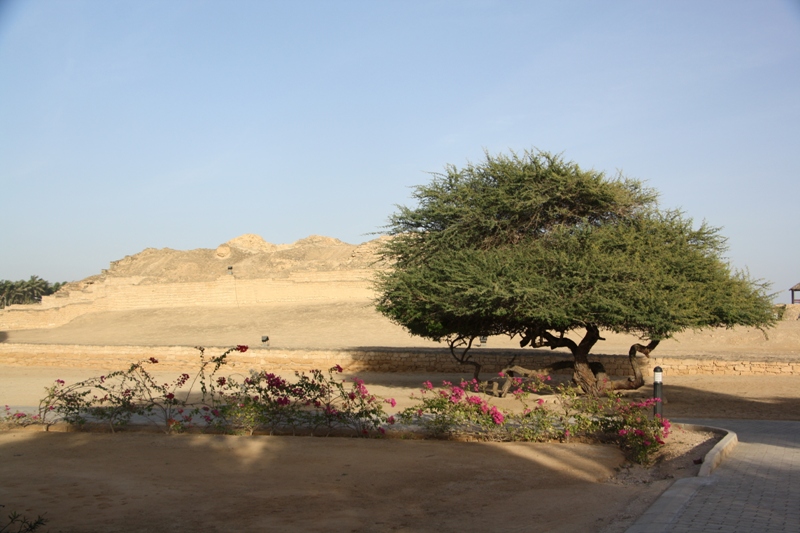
x=18 y=418
x=323 y=402
x=239 y=404
x=452 y=410
x=118 y=397
x=636 y=432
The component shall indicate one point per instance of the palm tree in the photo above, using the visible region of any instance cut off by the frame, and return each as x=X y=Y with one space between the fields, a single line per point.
x=26 y=291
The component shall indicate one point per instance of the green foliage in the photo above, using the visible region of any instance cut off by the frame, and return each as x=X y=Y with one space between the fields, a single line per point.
x=530 y=244
x=26 y=291
x=453 y=411
x=18 y=523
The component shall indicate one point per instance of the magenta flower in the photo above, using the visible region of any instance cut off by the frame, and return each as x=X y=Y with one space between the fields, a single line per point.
x=390 y=401
x=241 y=348
x=338 y=368
x=390 y=420
x=428 y=385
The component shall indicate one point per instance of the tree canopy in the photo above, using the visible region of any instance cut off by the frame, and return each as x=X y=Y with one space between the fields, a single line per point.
x=535 y=246
x=26 y=291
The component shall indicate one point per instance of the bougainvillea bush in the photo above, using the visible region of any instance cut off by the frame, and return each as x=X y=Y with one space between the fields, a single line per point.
x=460 y=411
x=208 y=400
x=321 y=403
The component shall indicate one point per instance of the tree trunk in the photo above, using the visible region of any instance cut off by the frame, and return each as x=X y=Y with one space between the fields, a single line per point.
x=584 y=376
x=462 y=358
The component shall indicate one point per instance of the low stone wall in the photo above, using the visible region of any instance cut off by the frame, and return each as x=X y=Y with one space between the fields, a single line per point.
x=371 y=360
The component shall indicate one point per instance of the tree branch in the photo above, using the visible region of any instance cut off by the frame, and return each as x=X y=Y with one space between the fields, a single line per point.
x=463 y=359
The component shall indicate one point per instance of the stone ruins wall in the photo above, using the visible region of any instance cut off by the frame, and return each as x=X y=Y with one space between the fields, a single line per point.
x=122 y=294
x=369 y=360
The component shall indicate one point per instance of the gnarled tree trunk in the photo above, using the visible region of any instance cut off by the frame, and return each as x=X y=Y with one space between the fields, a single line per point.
x=593 y=381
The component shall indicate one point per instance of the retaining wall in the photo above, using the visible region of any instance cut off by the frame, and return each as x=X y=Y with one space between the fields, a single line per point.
x=372 y=360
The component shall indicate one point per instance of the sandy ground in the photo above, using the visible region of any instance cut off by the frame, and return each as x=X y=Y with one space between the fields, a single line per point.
x=145 y=482
x=93 y=482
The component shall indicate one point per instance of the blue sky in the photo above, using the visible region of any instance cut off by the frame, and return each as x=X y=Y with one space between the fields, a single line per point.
x=183 y=124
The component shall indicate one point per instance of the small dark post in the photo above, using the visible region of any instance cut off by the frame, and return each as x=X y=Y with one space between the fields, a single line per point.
x=658 y=393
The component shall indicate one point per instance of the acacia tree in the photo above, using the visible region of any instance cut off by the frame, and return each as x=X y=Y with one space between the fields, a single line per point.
x=533 y=246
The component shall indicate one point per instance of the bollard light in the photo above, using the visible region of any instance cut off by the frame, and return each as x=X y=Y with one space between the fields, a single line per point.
x=265 y=340
x=483 y=340
x=658 y=393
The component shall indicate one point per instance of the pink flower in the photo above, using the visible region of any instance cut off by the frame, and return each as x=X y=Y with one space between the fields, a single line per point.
x=390 y=420
x=501 y=374
x=383 y=431
x=390 y=401
x=623 y=432
x=497 y=416
x=428 y=385
x=60 y=381
x=540 y=401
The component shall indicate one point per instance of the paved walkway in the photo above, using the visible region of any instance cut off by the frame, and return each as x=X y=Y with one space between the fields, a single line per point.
x=755 y=489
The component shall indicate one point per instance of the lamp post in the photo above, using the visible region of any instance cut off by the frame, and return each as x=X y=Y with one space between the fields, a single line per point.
x=658 y=392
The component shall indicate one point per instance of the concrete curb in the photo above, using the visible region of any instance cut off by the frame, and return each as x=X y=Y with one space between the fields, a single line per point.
x=660 y=516
x=719 y=452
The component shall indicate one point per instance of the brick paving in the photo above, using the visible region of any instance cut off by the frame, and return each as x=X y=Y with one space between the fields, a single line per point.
x=755 y=489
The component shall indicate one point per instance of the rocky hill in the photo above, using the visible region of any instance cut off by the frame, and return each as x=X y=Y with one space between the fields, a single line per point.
x=247 y=257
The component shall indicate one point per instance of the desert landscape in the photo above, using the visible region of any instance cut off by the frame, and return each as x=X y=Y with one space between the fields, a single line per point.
x=313 y=299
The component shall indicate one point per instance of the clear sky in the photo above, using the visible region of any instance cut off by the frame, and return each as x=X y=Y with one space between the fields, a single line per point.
x=183 y=124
